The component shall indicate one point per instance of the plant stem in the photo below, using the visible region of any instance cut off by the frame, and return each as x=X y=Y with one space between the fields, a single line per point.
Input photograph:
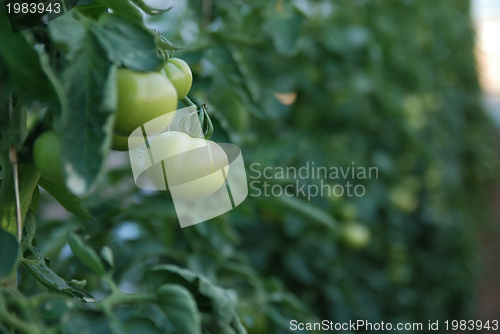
x=117 y=297
x=188 y=103
x=11 y=320
x=13 y=161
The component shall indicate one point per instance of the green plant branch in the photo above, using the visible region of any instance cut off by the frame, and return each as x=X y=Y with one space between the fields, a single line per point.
x=186 y=101
x=11 y=320
x=117 y=297
x=13 y=162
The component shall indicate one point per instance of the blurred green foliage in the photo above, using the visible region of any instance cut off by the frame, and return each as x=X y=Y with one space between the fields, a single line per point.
x=390 y=84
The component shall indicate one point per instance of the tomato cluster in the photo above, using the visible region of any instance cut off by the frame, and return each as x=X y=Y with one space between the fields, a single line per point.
x=141 y=98
x=145 y=96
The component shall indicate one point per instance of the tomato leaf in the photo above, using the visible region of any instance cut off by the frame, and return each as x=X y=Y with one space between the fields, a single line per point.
x=22 y=65
x=66 y=32
x=9 y=252
x=86 y=254
x=211 y=299
x=125 y=9
x=127 y=43
x=37 y=267
x=65 y=197
x=180 y=307
x=89 y=81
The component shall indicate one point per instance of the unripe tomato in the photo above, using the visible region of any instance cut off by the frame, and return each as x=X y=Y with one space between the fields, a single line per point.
x=355 y=235
x=46 y=156
x=192 y=174
x=120 y=143
x=141 y=98
x=404 y=198
x=180 y=75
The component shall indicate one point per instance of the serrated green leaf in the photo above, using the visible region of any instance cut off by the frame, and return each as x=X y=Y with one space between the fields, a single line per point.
x=154 y=313
x=125 y=9
x=89 y=80
x=149 y=10
x=44 y=275
x=180 y=307
x=22 y=65
x=209 y=298
x=9 y=252
x=84 y=253
x=65 y=197
x=128 y=44
x=67 y=32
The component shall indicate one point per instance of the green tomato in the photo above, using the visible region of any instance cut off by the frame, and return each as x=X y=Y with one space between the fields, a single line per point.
x=179 y=73
x=141 y=98
x=404 y=198
x=355 y=235
x=193 y=172
x=46 y=156
x=120 y=143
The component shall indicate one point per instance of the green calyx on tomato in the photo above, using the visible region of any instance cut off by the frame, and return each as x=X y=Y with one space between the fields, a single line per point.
x=141 y=98
x=46 y=157
x=179 y=73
